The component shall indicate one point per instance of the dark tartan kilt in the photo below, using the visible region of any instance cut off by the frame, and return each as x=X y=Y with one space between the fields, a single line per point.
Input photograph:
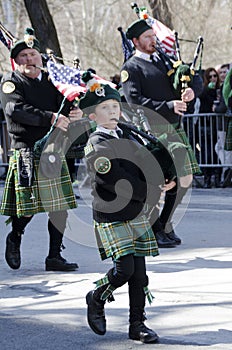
x=179 y=135
x=45 y=195
x=117 y=239
x=228 y=141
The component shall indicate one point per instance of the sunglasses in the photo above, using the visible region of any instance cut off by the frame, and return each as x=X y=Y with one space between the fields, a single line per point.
x=213 y=76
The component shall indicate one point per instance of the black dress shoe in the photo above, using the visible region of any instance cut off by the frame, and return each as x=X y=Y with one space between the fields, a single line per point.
x=12 y=253
x=96 y=314
x=171 y=235
x=59 y=264
x=138 y=331
x=163 y=241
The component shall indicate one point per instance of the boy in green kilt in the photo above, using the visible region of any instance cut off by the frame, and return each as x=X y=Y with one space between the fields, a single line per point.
x=31 y=103
x=120 y=192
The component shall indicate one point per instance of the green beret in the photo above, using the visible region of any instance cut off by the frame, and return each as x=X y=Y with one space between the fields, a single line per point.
x=29 y=42
x=137 y=28
x=97 y=92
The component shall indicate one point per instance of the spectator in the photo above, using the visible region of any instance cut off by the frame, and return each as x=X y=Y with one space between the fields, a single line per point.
x=209 y=128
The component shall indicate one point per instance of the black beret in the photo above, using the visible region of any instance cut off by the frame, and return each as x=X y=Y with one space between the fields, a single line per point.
x=29 y=42
x=137 y=28
x=99 y=95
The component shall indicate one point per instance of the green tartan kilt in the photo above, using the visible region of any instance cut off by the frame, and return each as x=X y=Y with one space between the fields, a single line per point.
x=45 y=195
x=118 y=238
x=228 y=140
x=191 y=165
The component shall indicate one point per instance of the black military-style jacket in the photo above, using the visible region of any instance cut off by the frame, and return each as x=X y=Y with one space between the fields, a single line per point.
x=120 y=183
x=147 y=84
x=28 y=106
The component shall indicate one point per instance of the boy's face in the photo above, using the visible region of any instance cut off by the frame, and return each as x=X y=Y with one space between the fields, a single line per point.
x=105 y=113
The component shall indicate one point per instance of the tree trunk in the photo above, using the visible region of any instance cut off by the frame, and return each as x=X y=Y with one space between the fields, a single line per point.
x=161 y=11
x=43 y=24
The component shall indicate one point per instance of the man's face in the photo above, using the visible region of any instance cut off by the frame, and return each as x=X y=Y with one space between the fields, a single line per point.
x=146 y=42
x=26 y=60
x=106 y=113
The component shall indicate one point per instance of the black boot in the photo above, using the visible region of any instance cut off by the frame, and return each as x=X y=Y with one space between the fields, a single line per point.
x=54 y=261
x=163 y=241
x=139 y=331
x=96 y=313
x=170 y=233
x=12 y=253
x=58 y=263
x=172 y=199
x=13 y=241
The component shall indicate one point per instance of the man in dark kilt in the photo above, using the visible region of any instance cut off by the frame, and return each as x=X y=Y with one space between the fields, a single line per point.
x=31 y=104
x=147 y=85
x=122 y=188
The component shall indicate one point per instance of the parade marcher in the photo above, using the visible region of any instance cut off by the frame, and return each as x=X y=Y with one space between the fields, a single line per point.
x=120 y=192
x=146 y=85
x=31 y=103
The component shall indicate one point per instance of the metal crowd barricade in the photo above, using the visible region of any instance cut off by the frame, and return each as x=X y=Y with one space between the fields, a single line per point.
x=206 y=133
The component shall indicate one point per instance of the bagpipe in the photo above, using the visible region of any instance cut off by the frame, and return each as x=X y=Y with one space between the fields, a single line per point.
x=181 y=75
x=170 y=155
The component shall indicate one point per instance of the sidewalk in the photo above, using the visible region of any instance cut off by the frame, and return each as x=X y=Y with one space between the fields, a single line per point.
x=192 y=285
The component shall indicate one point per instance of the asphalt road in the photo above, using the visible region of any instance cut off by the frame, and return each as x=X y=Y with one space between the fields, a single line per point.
x=192 y=285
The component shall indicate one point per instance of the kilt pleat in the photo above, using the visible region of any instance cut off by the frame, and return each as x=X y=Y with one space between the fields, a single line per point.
x=45 y=195
x=117 y=239
x=175 y=134
x=191 y=164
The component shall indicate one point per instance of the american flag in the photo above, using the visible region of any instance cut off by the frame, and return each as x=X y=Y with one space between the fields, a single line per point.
x=127 y=45
x=6 y=42
x=164 y=34
x=66 y=79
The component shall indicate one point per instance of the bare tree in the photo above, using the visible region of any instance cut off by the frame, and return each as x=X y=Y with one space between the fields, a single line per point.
x=43 y=24
x=88 y=28
x=161 y=11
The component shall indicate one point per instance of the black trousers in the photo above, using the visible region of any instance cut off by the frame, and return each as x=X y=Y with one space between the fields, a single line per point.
x=56 y=227
x=131 y=269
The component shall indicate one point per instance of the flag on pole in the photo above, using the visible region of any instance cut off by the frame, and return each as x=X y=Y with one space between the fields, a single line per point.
x=8 y=43
x=5 y=41
x=164 y=34
x=66 y=79
x=127 y=45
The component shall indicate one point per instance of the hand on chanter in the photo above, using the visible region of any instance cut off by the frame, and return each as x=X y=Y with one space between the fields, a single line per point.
x=75 y=114
x=168 y=185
